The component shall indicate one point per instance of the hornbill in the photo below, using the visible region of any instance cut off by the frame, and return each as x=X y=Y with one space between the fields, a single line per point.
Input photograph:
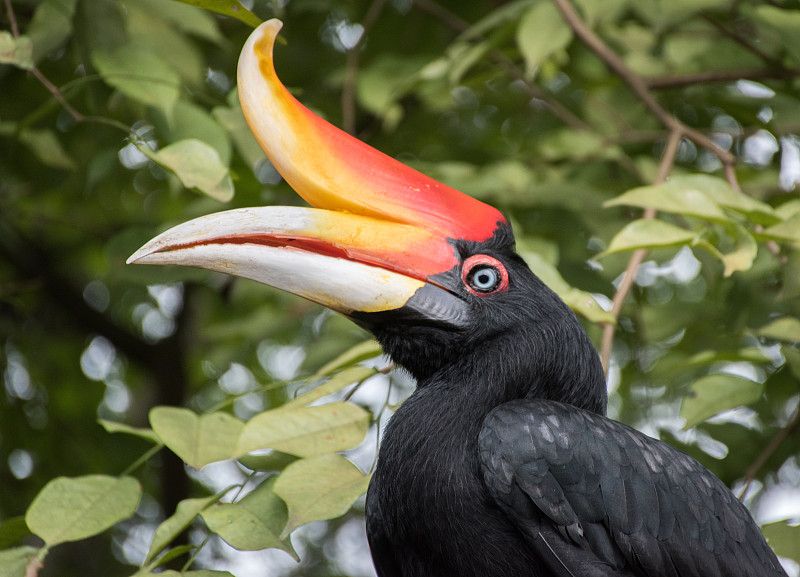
x=501 y=463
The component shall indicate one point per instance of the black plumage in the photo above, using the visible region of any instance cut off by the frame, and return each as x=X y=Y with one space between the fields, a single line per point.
x=502 y=462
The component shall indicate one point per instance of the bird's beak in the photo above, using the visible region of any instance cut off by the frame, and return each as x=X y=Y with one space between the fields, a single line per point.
x=379 y=238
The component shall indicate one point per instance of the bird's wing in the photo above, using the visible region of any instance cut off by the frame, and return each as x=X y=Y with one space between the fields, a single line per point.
x=595 y=497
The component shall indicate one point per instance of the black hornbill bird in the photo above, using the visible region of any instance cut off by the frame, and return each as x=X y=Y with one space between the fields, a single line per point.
x=501 y=463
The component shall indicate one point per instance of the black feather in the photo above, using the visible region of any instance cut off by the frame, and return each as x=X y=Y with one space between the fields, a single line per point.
x=501 y=464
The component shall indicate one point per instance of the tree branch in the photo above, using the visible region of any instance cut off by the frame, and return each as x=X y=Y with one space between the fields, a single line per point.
x=52 y=88
x=12 y=19
x=609 y=329
x=637 y=83
x=454 y=21
x=554 y=106
x=743 y=42
x=458 y=25
x=773 y=445
x=351 y=68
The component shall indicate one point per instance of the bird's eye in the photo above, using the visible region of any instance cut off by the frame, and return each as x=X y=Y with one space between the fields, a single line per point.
x=484 y=278
x=484 y=275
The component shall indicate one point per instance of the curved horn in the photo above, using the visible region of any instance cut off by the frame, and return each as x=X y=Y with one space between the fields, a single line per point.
x=332 y=170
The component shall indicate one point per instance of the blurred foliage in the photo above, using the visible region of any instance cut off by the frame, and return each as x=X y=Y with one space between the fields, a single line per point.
x=119 y=118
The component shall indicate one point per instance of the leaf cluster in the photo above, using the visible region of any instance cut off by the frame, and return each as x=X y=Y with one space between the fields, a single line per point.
x=119 y=118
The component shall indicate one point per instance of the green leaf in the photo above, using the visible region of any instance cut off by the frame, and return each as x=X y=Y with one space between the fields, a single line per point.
x=193 y=122
x=648 y=234
x=274 y=461
x=17 y=51
x=306 y=431
x=575 y=145
x=170 y=528
x=721 y=192
x=232 y=119
x=463 y=57
x=785 y=329
x=385 y=80
x=183 y=17
x=662 y=14
x=509 y=12
x=602 y=10
x=334 y=384
x=784 y=539
x=787 y=231
x=742 y=258
x=678 y=198
x=12 y=531
x=151 y=30
x=714 y=394
x=168 y=556
x=580 y=301
x=254 y=523
x=739 y=259
x=197 y=439
x=788 y=209
x=541 y=33
x=14 y=562
x=698 y=195
x=786 y=22
x=319 y=488
x=50 y=26
x=197 y=165
x=792 y=357
x=46 y=147
x=141 y=432
x=231 y=8
x=709 y=357
x=360 y=352
x=71 y=509
x=139 y=74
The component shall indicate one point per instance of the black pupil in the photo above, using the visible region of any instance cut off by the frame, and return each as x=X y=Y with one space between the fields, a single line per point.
x=484 y=279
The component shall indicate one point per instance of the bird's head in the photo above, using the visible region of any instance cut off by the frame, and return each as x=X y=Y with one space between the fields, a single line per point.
x=429 y=270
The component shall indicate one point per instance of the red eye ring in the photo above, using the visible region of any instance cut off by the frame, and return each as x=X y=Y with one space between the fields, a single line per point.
x=495 y=280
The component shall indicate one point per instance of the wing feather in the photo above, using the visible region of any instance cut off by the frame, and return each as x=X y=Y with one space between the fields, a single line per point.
x=595 y=497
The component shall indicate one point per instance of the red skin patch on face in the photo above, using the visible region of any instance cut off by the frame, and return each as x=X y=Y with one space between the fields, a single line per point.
x=479 y=260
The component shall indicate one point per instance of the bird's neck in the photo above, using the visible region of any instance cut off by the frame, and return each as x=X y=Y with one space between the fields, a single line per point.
x=557 y=363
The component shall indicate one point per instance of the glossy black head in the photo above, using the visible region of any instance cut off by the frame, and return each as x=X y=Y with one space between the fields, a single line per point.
x=502 y=320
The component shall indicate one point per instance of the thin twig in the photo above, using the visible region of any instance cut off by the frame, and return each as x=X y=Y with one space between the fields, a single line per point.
x=32 y=569
x=609 y=329
x=351 y=68
x=637 y=83
x=57 y=95
x=730 y=176
x=438 y=11
x=52 y=88
x=12 y=18
x=742 y=41
x=378 y=424
x=773 y=445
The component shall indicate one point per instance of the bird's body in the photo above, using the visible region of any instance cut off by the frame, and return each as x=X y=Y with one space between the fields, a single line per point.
x=430 y=465
x=445 y=503
x=502 y=462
